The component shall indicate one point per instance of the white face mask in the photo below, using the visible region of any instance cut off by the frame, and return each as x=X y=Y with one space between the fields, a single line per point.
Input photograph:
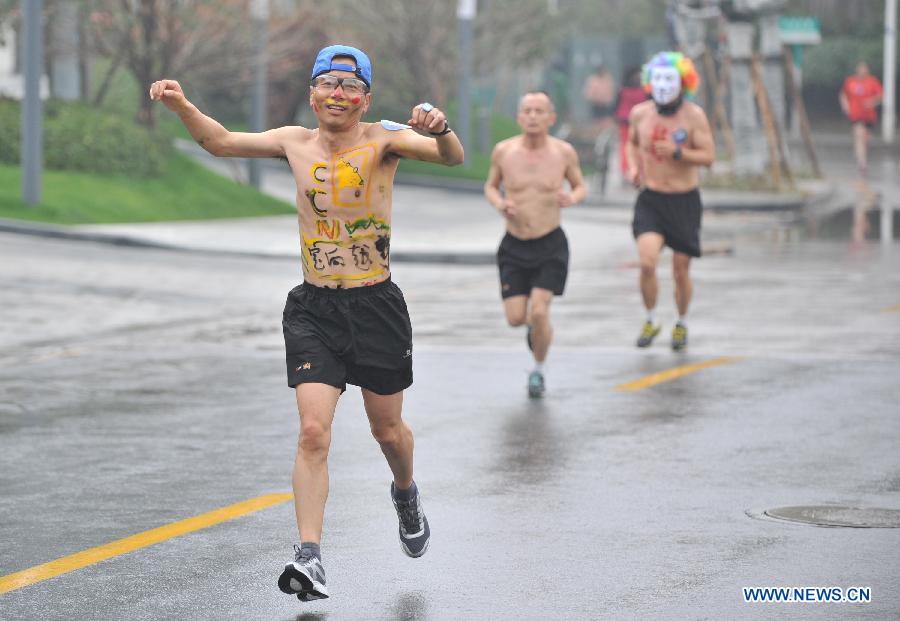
x=665 y=84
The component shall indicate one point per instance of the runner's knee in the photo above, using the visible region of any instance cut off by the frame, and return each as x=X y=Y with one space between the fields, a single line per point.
x=315 y=438
x=515 y=318
x=681 y=271
x=387 y=433
x=648 y=267
x=540 y=313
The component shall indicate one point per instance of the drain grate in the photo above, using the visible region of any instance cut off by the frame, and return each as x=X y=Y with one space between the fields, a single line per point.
x=834 y=515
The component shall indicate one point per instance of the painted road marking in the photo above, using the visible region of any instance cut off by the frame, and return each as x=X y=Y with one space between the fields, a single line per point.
x=670 y=374
x=64 y=565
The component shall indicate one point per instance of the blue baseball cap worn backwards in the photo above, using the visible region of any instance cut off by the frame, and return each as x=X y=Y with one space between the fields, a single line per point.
x=325 y=62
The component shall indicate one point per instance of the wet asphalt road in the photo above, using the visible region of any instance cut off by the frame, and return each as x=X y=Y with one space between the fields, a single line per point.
x=142 y=387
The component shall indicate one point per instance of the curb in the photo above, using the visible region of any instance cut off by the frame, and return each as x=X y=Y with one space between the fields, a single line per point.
x=58 y=232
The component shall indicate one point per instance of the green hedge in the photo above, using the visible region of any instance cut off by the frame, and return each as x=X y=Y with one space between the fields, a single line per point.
x=77 y=137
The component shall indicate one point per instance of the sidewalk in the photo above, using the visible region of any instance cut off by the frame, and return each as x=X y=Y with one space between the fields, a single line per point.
x=435 y=220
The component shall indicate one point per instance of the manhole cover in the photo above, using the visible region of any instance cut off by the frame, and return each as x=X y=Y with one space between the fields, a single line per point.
x=831 y=515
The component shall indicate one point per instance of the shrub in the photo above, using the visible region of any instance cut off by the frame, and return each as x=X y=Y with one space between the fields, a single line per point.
x=77 y=137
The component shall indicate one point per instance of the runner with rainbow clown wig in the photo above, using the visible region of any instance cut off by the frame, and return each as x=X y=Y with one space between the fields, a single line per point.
x=669 y=140
x=667 y=78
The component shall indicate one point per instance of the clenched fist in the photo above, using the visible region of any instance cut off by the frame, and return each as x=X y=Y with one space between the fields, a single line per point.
x=169 y=92
x=427 y=120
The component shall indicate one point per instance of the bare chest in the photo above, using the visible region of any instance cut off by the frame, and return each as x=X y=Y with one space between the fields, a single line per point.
x=660 y=128
x=526 y=171
x=340 y=181
x=344 y=209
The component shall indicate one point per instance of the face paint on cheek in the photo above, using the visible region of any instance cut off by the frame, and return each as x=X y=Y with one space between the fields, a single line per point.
x=355 y=100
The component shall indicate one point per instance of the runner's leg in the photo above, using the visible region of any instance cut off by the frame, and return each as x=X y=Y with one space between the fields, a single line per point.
x=316 y=404
x=539 y=320
x=396 y=440
x=859 y=145
x=392 y=433
x=516 y=309
x=684 y=288
x=649 y=246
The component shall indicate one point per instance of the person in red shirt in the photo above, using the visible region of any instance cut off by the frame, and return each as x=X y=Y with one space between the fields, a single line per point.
x=632 y=94
x=859 y=99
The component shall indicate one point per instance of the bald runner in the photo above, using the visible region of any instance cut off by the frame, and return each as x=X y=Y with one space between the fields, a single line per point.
x=526 y=184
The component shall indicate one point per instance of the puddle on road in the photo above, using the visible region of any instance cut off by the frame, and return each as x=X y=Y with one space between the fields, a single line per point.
x=834 y=516
x=857 y=222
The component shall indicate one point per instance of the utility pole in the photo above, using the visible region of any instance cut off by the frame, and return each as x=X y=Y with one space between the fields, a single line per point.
x=465 y=14
x=65 y=79
x=32 y=132
x=259 y=11
x=888 y=118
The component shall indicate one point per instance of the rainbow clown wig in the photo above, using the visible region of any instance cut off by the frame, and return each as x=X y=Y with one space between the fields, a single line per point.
x=690 y=79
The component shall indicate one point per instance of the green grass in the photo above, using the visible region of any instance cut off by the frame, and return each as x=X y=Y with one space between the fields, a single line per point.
x=187 y=191
x=476 y=167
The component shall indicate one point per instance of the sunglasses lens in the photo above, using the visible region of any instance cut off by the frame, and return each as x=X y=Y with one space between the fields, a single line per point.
x=325 y=81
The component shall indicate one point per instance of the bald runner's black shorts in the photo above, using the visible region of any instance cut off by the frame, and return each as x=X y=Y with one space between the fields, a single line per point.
x=360 y=336
x=675 y=216
x=526 y=263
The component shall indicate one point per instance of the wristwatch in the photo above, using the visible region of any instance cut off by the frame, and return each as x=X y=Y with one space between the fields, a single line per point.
x=676 y=155
x=444 y=131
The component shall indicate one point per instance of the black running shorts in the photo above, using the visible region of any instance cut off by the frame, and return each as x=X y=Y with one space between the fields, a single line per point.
x=674 y=216
x=527 y=263
x=360 y=336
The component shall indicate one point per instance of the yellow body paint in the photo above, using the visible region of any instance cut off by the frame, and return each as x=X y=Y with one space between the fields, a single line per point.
x=350 y=173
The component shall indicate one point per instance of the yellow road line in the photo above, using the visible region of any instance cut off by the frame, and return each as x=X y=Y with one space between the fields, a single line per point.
x=64 y=565
x=893 y=309
x=670 y=374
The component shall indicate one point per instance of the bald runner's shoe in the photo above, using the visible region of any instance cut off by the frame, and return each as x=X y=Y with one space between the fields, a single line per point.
x=536 y=385
x=648 y=333
x=304 y=578
x=679 y=337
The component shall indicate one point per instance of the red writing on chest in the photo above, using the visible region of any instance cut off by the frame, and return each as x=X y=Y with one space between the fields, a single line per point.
x=659 y=132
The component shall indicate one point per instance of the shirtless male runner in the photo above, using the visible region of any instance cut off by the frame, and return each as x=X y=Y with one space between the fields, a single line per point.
x=534 y=255
x=347 y=323
x=668 y=139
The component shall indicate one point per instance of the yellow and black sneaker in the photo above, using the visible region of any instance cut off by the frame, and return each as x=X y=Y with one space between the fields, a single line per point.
x=679 y=337
x=648 y=333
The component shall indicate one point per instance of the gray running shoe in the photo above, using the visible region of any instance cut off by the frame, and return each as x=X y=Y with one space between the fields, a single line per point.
x=679 y=337
x=304 y=578
x=414 y=531
x=648 y=333
x=535 y=385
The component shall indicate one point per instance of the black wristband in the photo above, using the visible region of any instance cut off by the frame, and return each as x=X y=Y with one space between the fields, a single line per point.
x=443 y=132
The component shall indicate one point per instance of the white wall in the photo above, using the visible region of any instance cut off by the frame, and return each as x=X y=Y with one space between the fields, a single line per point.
x=11 y=84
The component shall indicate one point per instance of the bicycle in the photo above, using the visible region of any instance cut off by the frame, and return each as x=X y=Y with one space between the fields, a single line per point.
x=601 y=154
